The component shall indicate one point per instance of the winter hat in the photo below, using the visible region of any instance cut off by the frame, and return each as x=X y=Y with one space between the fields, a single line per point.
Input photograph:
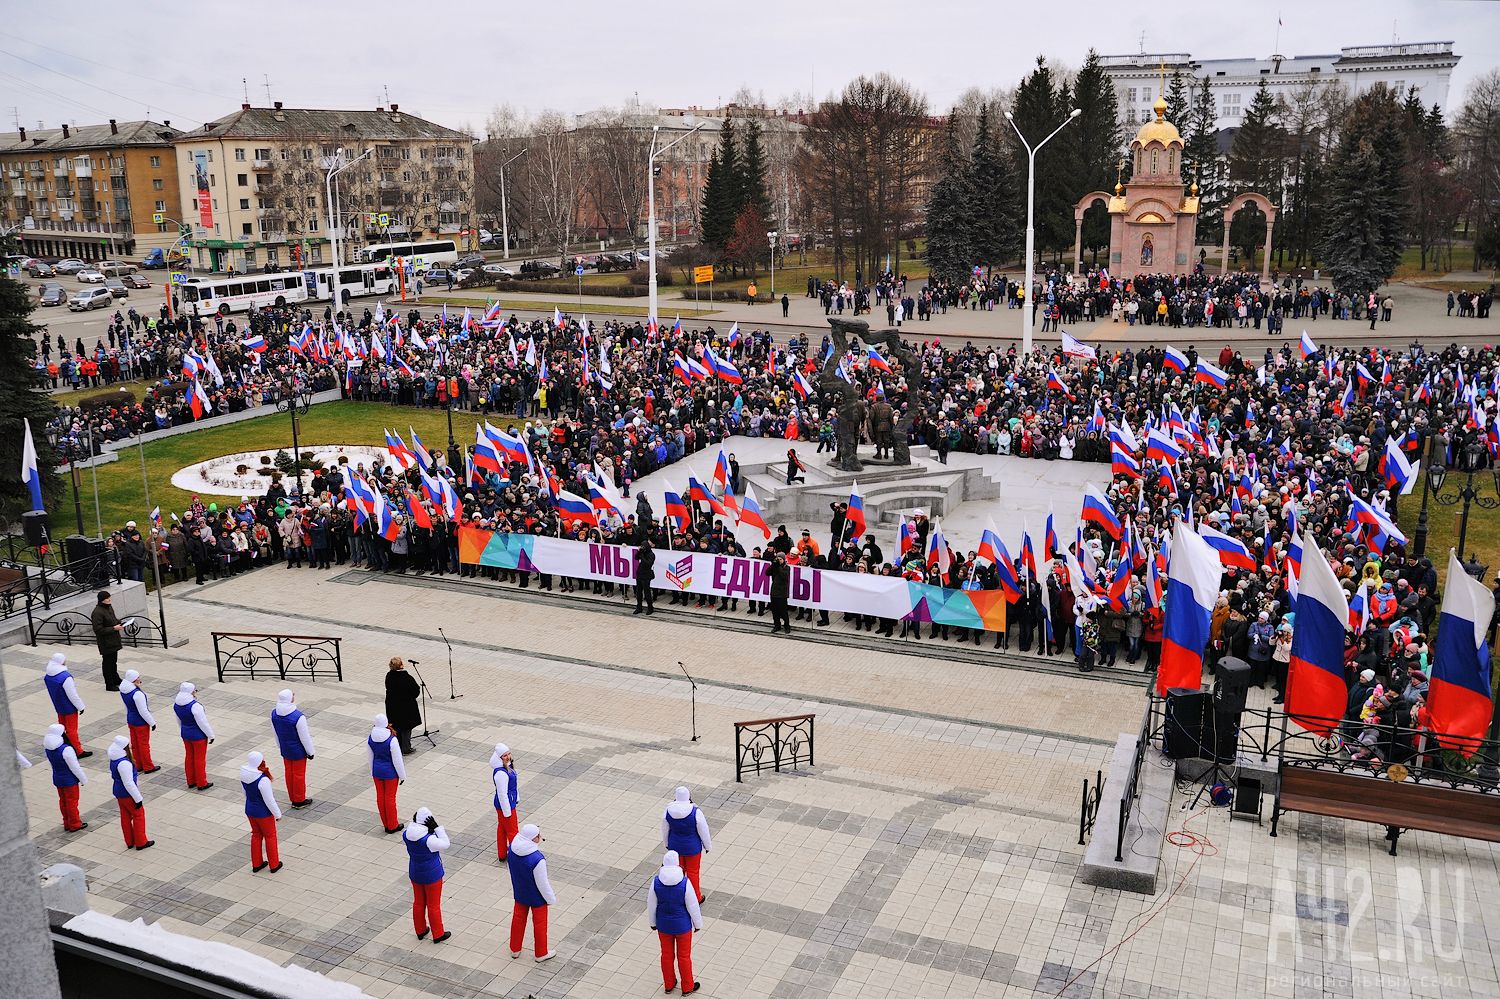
x=253 y=760
x=131 y=676
x=683 y=794
x=529 y=831
x=1367 y=675
x=670 y=859
x=186 y=687
x=284 y=697
x=57 y=659
x=55 y=730
x=422 y=815
x=117 y=748
x=497 y=757
x=381 y=731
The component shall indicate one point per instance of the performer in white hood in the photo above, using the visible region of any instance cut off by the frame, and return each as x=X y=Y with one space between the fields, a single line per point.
x=141 y=721
x=197 y=734
x=128 y=795
x=65 y=700
x=685 y=830
x=262 y=811
x=425 y=840
x=533 y=892
x=295 y=740
x=387 y=769
x=673 y=913
x=507 y=798
x=67 y=776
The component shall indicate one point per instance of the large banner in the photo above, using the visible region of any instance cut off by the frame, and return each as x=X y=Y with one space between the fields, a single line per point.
x=744 y=578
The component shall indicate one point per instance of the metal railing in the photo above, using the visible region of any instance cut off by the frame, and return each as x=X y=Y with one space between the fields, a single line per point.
x=70 y=626
x=1149 y=726
x=1089 y=809
x=294 y=657
x=31 y=587
x=771 y=743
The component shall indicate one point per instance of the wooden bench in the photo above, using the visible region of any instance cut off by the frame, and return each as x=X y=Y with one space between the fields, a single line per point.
x=1396 y=805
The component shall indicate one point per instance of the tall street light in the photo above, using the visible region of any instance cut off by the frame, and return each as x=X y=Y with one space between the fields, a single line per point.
x=335 y=165
x=771 y=236
x=1031 y=151
x=1473 y=459
x=504 y=216
x=651 y=212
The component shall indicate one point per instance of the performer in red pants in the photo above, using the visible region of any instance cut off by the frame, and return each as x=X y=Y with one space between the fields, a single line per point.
x=533 y=892
x=387 y=769
x=295 y=741
x=262 y=811
x=672 y=910
x=65 y=700
x=67 y=776
x=197 y=735
x=141 y=721
x=685 y=830
x=128 y=795
x=507 y=797
x=425 y=840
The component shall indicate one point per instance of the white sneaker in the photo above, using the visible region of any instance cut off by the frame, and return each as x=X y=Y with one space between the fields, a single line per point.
x=547 y=956
x=514 y=954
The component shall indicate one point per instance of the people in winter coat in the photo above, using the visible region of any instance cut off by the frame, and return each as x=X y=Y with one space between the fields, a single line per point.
x=507 y=798
x=128 y=796
x=107 y=631
x=67 y=776
x=684 y=830
x=425 y=840
x=533 y=892
x=296 y=744
x=402 y=702
x=673 y=913
x=387 y=769
x=65 y=700
x=197 y=734
x=262 y=812
x=141 y=721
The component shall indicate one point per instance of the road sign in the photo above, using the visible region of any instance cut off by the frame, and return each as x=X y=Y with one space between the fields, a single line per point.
x=703 y=275
x=578 y=270
x=157 y=218
x=178 y=277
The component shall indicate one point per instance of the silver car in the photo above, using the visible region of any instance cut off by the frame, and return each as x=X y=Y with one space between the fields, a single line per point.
x=90 y=298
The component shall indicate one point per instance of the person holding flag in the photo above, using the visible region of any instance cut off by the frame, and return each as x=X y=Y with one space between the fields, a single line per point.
x=1316 y=694
x=1458 y=695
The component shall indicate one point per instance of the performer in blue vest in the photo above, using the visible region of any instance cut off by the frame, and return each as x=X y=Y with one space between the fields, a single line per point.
x=65 y=700
x=128 y=795
x=685 y=830
x=425 y=840
x=388 y=769
x=67 y=776
x=533 y=892
x=507 y=797
x=295 y=740
x=262 y=811
x=197 y=734
x=141 y=721
x=672 y=910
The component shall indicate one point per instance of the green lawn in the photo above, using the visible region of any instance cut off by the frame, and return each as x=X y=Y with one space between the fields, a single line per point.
x=67 y=397
x=567 y=304
x=121 y=497
x=1483 y=537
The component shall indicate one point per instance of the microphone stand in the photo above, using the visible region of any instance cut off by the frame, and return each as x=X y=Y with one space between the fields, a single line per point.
x=694 y=696
x=451 y=695
x=425 y=733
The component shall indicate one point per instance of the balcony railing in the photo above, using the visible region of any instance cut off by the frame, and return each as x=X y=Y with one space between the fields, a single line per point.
x=261 y=165
x=82 y=169
x=38 y=171
x=60 y=171
x=117 y=181
x=18 y=188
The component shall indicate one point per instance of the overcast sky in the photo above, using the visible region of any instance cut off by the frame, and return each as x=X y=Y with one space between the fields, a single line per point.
x=454 y=61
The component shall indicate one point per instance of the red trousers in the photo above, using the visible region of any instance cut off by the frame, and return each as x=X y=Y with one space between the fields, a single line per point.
x=427 y=907
x=690 y=866
x=132 y=821
x=195 y=761
x=67 y=803
x=263 y=841
x=385 y=801
x=70 y=729
x=538 y=928
x=140 y=747
x=506 y=829
x=677 y=949
x=296 y=779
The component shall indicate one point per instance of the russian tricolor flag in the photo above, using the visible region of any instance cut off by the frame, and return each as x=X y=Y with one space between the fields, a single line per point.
x=1458 y=699
x=1162 y=446
x=1306 y=346
x=30 y=472
x=674 y=509
x=1174 y=360
x=854 y=517
x=906 y=536
x=1192 y=586
x=485 y=457
x=1123 y=463
x=1359 y=608
x=404 y=459
x=1232 y=552
x=1208 y=374
x=574 y=509
x=198 y=398
x=255 y=342
x=1399 y=474
x=801 y=384
x=1316 y=695
x=992 y=548
x=1054 y=383
x=750 y=513
x=1097 y=509
x=876 y=361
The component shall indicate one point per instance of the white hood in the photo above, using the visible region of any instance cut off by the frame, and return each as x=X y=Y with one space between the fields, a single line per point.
x=417 y=827
x=497 y=757
x=117 y=748
x=250 y=772
x=57 y=664
x=682 y=807
x=284 y=705
x=523 y=845
x=184 y=693
x=670 y=872
x=52 y=740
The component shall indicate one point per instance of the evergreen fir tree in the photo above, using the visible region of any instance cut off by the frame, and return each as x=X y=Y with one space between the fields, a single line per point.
x=1200 y=158
x=1096 y=138
x=949 y=232
x=753 y=175
x=1255 y=165
x=22 y=397
x=723 y=193
x=1177 y=100
x=1365 y=214
x=990 y=191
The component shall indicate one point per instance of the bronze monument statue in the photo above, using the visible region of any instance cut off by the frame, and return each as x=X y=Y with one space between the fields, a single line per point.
x=887 y=429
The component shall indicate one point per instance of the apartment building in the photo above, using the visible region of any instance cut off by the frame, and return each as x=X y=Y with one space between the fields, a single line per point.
x=255 y=184
x=90 y=191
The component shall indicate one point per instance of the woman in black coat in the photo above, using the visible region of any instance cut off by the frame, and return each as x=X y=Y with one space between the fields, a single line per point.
x=402 y=708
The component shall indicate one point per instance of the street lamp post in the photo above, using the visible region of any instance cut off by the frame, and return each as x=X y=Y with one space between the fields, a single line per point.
x=772 y=237
x=455 y=459
x=335 y=165
x=651 y=213
x=56 y=439
x=1419 y=543
x=298 y=402
x=1026 y=303
x=504 y=211
x=1473 y=461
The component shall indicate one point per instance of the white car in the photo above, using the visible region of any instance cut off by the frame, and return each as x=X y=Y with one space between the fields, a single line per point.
x=461 y=274
x=90 y=276
x=498 y=270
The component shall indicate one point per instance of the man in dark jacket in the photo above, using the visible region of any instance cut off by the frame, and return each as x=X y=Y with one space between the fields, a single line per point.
x=107 y=630
x=402 y=703
x=645 y=572
x=781 y=591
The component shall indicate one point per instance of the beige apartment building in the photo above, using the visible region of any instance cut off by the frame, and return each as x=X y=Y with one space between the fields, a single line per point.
x=90 y=191
x=254 y=184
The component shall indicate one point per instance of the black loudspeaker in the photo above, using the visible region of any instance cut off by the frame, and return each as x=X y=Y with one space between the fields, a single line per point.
x=86 y=562
x=1231 y=684
x=1186 y=711
x=35 y=525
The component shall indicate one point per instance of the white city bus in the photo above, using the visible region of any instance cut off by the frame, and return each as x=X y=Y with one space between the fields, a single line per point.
x=355 y=280
x=418 y=255
x=206 y=295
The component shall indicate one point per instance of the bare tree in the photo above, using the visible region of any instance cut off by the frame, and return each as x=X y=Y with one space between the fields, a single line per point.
x=1477 y=135
x=548 y=180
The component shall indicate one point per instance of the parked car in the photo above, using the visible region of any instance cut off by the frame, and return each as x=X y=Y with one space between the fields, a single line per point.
x=157 y=258
x=117 y=287
x=90 y=276
x=623 y=261
x=90 y=298
x=643 y=256
x=462 y=274
x=53 y=294
x=537 y=269
x=38 y=268
x=115 y=268
x=486 y=237
x=470 y=262
x=71 y=265
x=498 y=271
x=436 y=275
x=139 y=282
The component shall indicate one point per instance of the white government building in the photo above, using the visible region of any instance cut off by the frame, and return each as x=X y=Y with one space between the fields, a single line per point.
x=1428 y=66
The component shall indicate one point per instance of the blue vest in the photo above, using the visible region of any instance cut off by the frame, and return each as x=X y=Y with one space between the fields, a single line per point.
x=255 y=805
x=60 y=699
x=62 y=775
x=682 y=834
x=190 y=730
x=114 y=771
x=671 y=907
x=511 y=793
x=286 y=734
x=382 y=768
x=523 y=878
x=424 y=867
x=132 y=716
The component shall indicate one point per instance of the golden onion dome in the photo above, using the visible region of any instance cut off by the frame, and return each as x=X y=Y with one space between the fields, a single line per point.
x=1160 y=130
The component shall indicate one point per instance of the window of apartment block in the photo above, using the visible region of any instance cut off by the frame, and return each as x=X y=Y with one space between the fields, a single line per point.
x=244 y=228
x=312 y=202
x=156 y=185
x=263 y=154
x=245 y=204
x=161 y=206
x=243 y=179
x=307 y=153
x=239 y=155
x=286 y=154
x=1130 y=95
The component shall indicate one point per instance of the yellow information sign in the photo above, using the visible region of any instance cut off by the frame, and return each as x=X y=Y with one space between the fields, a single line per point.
x=703 y=275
